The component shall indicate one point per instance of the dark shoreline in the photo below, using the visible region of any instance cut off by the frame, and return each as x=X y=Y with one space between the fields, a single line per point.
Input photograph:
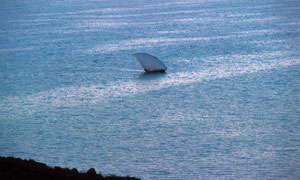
x=15 y=168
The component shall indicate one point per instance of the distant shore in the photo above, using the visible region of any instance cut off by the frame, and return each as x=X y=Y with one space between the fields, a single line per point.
x=15 y=168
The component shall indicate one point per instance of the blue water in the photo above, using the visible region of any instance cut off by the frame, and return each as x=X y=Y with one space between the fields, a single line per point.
x=228 y=107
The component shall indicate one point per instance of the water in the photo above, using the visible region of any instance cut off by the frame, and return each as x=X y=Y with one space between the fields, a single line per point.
x=72 y=95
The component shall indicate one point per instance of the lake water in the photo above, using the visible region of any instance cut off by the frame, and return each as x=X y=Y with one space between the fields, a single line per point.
x=72 y=95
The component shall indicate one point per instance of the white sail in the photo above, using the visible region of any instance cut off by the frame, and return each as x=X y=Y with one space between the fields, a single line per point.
x=150 y=63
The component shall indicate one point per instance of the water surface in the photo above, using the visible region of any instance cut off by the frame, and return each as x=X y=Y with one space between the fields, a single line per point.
x=72 y=95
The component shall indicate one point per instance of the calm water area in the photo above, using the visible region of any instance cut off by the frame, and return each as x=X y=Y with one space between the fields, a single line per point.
x=228 y=106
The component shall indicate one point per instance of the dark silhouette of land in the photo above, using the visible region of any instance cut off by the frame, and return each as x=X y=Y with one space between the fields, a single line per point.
x=16 y=168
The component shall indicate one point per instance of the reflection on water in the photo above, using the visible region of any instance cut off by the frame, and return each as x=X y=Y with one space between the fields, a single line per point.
x=151 y=75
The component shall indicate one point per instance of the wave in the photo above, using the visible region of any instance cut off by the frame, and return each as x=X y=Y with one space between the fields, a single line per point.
x=164 y=41
x=100 y=93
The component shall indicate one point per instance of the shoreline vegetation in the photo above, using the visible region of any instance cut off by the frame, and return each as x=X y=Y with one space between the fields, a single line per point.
x=15 y=168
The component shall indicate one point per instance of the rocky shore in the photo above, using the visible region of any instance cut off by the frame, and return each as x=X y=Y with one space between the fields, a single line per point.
x=15 y=168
